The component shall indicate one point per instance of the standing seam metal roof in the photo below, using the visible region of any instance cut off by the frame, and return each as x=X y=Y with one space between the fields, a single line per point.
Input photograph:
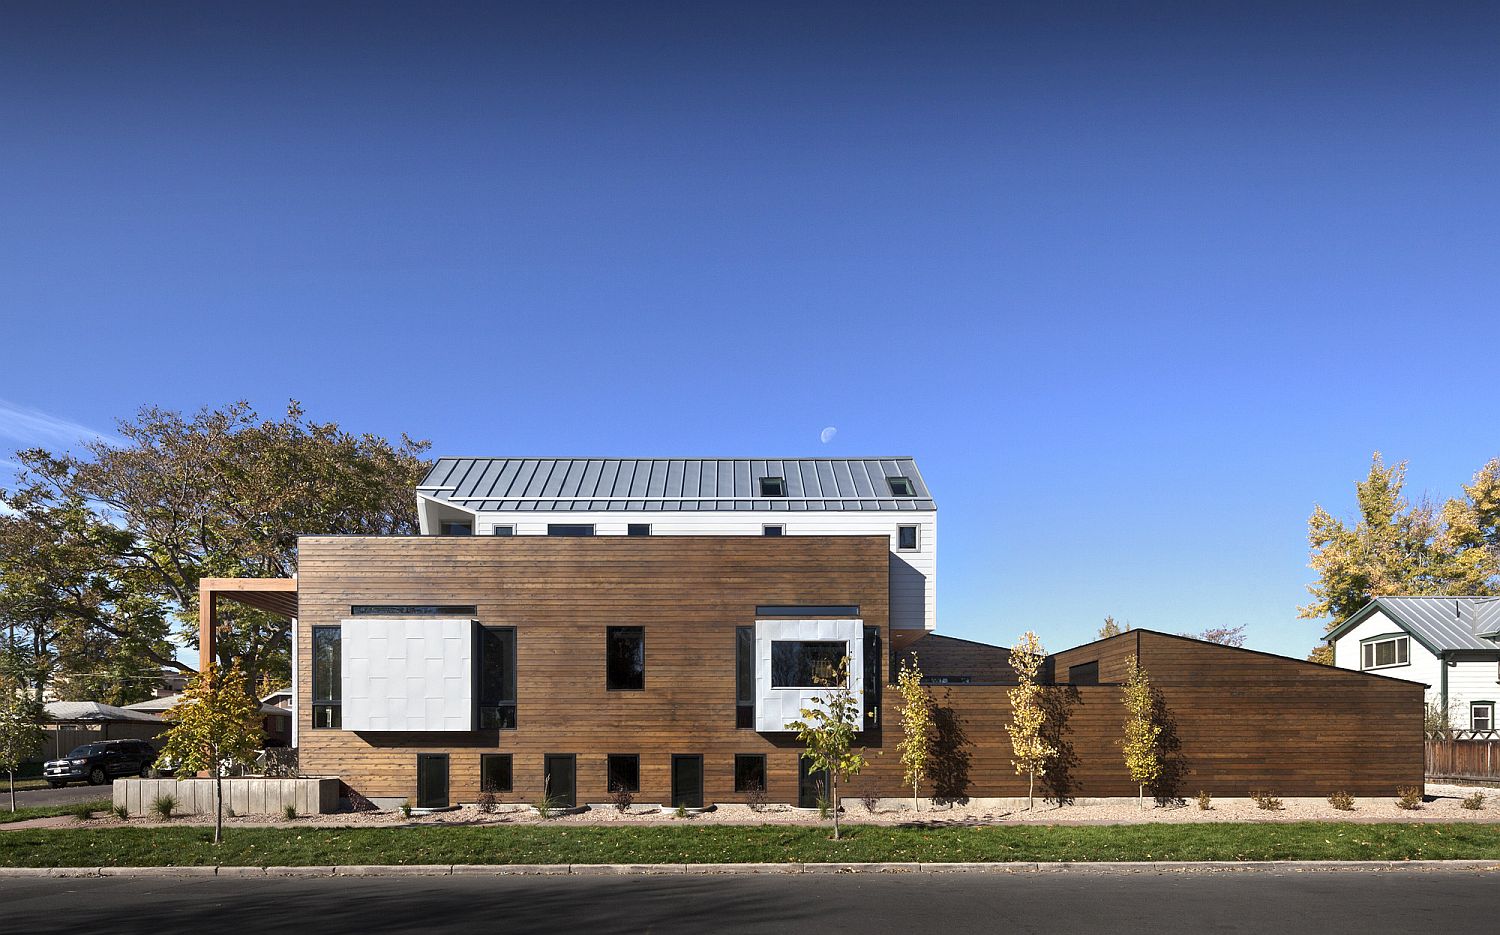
x=1448 y=623
x=688 y=484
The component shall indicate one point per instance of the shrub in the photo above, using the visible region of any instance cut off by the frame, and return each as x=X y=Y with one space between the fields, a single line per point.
x=622 y=800
x=1205 y=802
x=487 y=799
x=164 y=805
x=289 y=812
x=405 y=808
x=1409 y=798
x=867 y=798
x=81 y=812
x=121 y=812
x=1342 y=801
x=228 y=812
x=1473 y=802
x=755 y=797
x=825 y=807
x=682 y=811
x=1266 y=801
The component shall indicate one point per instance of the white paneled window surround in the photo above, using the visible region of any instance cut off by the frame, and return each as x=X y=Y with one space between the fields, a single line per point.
x=1382 y=652
x=793 y=656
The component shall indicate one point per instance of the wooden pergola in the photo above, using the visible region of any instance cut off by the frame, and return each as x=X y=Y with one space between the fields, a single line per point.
x=273 y=595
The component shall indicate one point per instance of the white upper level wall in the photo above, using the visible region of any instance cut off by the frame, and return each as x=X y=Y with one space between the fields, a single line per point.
x=913 y=592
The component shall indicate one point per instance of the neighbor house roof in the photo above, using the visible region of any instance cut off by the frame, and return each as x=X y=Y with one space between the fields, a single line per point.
x=1442 y=624
x=159 y=705
x=94 y=711
x=596 y=484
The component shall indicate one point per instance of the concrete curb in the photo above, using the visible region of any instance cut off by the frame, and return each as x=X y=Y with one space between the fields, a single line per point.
x=594 y=870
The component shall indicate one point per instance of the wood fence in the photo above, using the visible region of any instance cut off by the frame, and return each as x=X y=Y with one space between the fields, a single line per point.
x=1449 y=758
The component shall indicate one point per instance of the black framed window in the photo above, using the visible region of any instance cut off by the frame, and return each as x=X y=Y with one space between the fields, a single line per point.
x=625 y=658
x=749 y=772
x=773 y=486
x=432 y=780
x=872 y=654
x=687 y=780
x=560 y=778
x=570 y=529
x=744 y=677
x=497 y=678
x=773 y=530
x=807 y=610
x=413 y=610
x=327 y=677
x=901 y=487
x=805 y=663
x=622 y=772
x=458 y=529
x=906 y=538
x=1085 y=673
x=502 y=530
x=495 y=772
x=638 y=529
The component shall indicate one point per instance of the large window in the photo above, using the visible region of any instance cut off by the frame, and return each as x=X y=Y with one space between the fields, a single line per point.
x=744 y=677
x=497 y=678
x=1482 y=715
x=570 y=529
x=749 y=772
x=805 y=663
x=327 y=677
x=625 y=658
x=1384 y=651
x=495 y=772
x=623 y=772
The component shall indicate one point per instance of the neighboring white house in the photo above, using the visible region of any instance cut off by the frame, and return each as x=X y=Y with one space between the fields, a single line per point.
x=695 y=496
x=1450 y=644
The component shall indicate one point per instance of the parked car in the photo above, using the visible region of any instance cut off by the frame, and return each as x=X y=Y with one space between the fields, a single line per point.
x=99 y=762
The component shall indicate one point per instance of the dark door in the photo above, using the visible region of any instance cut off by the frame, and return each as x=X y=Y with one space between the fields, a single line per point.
x=812 y=785
x=687 y=780
x=432 y=780
x=559 y=778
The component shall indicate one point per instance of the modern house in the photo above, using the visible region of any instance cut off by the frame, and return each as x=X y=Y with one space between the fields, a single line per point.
x=577 y=627
x=1450 y=644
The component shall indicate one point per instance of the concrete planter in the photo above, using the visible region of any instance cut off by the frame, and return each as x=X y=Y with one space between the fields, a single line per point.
x=245 y=795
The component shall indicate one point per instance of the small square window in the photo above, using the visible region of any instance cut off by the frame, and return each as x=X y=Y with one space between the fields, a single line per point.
x=773 y=530
x=906 y=538
x=458 y=529
x=623 y=772
x=495 y=772
x=749 y=772
x=901 y=487
x=773 y=486
x=638 y=529
x=1482 y=715
x=503 y=531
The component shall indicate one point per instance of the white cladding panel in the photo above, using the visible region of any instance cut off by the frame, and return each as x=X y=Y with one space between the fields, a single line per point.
x=775 y=708
x=1469 y=681
x=402 y=674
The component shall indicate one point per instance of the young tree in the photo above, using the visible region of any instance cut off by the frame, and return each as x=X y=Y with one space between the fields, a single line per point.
x=215 y=723
x=828 y=728
x=20 y=723
x=1027 y=714
x=1142 y=758
x=916 y=726
x=1111 y=628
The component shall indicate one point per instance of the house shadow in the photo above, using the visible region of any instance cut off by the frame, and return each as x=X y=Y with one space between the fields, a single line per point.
x=1058 y=782
x=907 y=580
x=1167 y=790
x=951 y=757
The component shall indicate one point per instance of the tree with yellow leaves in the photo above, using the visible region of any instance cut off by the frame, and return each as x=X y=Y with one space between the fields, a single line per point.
x=916 y=726
x=215 y=723
x=1142 y=730
x=1031 y=751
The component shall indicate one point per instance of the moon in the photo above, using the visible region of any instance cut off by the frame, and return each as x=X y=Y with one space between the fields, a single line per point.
x=827 y=434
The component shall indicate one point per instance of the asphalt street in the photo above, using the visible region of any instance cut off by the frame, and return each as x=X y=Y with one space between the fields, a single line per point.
x=1159 y=903
x=67 y=795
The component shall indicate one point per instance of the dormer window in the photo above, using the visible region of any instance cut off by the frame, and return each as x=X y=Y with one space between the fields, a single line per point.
x=773 y=486
x=901 y=487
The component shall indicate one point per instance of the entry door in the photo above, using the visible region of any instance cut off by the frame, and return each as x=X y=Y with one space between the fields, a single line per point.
x=687 y=780
x=432 y=780
x=560 y=777
x=812 y=785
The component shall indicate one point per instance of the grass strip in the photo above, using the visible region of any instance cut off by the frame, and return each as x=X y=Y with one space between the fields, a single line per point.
x=532 y=844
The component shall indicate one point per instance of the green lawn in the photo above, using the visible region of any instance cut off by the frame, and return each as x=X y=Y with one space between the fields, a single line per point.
x=720 y=844
x=44 y=811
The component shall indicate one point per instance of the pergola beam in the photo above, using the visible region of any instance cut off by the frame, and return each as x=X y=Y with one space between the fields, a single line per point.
x=273 y=595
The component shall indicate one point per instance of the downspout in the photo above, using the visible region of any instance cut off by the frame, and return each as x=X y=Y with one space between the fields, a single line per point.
x=1443 y=684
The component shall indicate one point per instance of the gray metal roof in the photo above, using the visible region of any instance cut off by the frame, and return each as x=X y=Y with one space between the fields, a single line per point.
x=95 y=711
x=615 y=484
x=1447 y=623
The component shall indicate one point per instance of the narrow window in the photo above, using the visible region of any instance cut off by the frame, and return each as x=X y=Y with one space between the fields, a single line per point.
x=687 y=780
x=497 y=678
x=901 y=487
x=570 y=529
x=773 y=486
x=327 y=677
x=413 y=610
x=749 y=772
x=432 y=780
x=872 y=678
x=638 y=529
x=458 y=529
x=773 y=530
x=560 y=778
x=495 y=772
x=744 y=677
x=906 y=538
x=625 y=658
x=503 y=531
x=623 y=772
x=1085 y=673
x=1482 y=715
x=805 y=663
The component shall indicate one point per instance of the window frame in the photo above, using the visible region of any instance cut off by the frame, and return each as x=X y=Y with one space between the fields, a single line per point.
x=744 y=678
x=631 y=529
x=609 y=637
x=334 y=704
x=445 y=525
x=1489 y=706
x=480 y=703
x=916 y=537
x=510 y=770
x=765 y=529
x=510 y=529
x=778 y=485
x=609 y=786
x=1401 y=653
x=593 y=530
x=890 y=483
x=845 y=654
x=749 y=756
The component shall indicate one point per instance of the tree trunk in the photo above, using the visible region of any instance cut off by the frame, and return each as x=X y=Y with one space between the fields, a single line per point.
x=1030 y=790
x=1143 y=796
x=833 y=785
x=915 y=805
x=13 y=789
x=218 y=802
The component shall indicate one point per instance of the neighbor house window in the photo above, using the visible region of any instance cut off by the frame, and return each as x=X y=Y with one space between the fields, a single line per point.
x=1482 y=715
x=901 y=487
x=570 y=529
x=906 y=538
x=458 y=529
x=327 y=677
x=625 y=658
x=749 y=772
x=773 y=487
x=623 y=772
x=773 y=530
x=638 y=529
x=805 y=663
x=744 y=677
x=494 y=772
x=497 y=678
x=503 y=531
x=1384 y=651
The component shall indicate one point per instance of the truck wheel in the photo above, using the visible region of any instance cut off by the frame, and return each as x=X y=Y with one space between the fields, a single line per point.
x=96 y=776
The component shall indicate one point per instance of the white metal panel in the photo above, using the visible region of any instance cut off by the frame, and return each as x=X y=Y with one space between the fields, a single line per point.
x=408 y=674
x=775 y=708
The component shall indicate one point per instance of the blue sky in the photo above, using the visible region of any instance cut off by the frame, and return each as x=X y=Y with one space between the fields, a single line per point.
x=1137 y=284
